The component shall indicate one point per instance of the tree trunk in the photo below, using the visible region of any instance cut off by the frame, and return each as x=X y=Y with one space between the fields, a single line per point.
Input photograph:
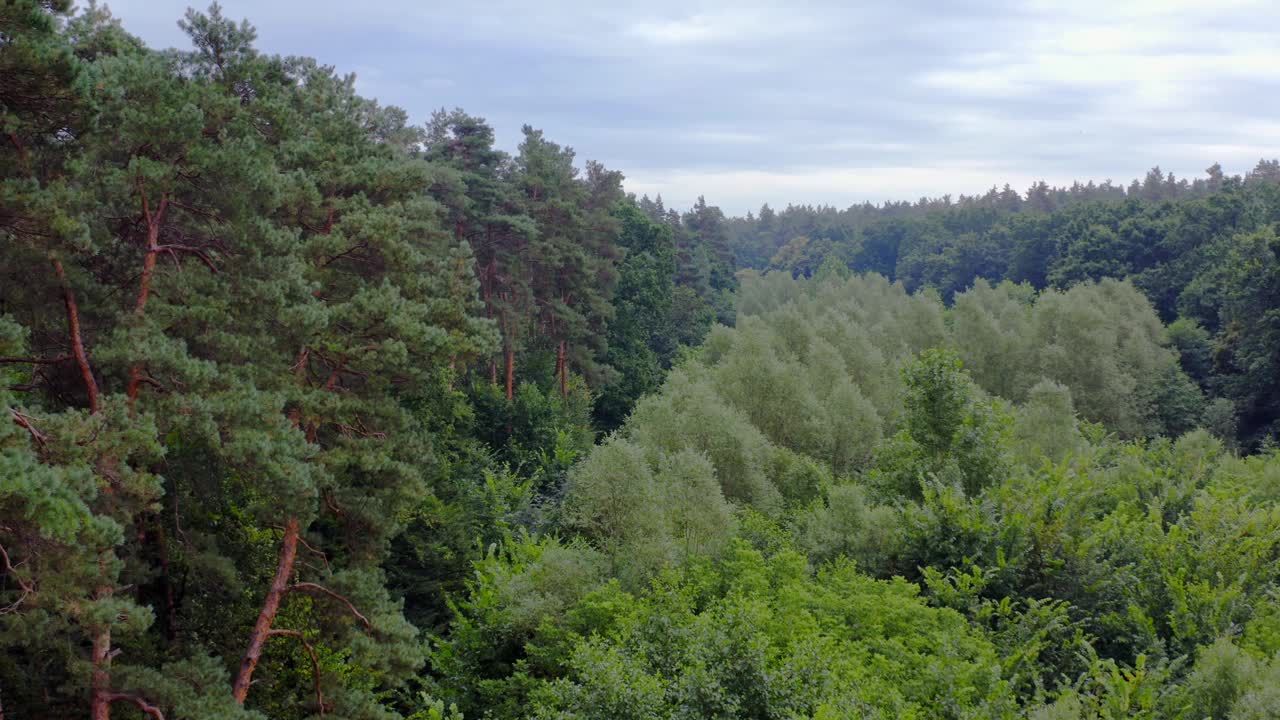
x=511 y=372
x=267 y=616
x=25 y=159
x=562 y=366
x=77 y=341
x=508 y=354
x=144 y=283
x=100 y=702
x=166 y=581
x=153 y=221
x=559 y=360
x=100 y=680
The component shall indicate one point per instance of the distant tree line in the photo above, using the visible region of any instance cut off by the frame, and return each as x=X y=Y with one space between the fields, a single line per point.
x=1204 y=252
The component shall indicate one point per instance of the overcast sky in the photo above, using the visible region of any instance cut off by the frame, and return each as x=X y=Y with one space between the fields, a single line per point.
x=813 y=102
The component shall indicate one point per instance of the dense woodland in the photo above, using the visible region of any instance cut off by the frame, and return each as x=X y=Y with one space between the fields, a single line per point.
x=311 y=411
x=1204 y=253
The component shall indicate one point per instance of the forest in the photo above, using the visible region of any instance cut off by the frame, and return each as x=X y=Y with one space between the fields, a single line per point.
x=311 y=411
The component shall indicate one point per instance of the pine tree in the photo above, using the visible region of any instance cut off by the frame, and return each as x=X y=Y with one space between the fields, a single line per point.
x=572 y=258
x=641 y=341
x=248 y=277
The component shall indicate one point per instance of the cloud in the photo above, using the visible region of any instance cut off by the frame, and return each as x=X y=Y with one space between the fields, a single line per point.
x=693 y=29
x=726 y=137
x=737 y=26
x=815 y=100
x=748 y=189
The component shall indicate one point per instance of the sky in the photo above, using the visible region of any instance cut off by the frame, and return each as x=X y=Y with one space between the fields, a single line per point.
x=812 y=102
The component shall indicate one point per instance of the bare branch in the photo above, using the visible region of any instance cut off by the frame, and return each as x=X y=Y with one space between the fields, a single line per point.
x=148 y=380
x=177 y=264
x=328 y=223
x=200 y=254
x=315 y=552
x=24 y=422
x=143 y=705
x=358 y=246
x=301 y=364
x=317 y=588
x=36 y=361
x=359 y=430
x=328 y=501
x=315 y=661
x=195 y=210
x=27 y=587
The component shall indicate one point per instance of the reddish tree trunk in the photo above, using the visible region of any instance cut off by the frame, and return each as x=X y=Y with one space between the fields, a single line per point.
x=562 y=366
x=26 y=165
x=511 y=372
x=267 y=616
x=135 y=372
x=77 y=342
x=100 y=680
x=100 y=702
x=148 y=270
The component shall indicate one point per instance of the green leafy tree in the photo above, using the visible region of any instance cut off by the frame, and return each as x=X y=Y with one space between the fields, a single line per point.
x=949 y=433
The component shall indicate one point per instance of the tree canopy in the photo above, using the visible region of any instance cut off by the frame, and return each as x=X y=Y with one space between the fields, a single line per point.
x=310 y=411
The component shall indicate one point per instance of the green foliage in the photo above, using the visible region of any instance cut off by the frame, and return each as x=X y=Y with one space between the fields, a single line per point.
x=303 y=408
x=1201 y=252
x=762 y=637
x=1046 y=426
x=949 y=435
x=642 y=336
x=1092 y=567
